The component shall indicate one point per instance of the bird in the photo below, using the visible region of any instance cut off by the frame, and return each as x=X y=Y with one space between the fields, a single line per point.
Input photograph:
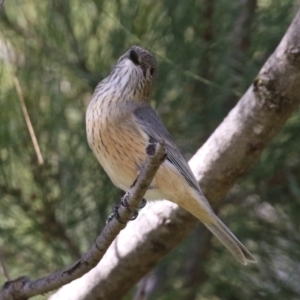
x=120 y=124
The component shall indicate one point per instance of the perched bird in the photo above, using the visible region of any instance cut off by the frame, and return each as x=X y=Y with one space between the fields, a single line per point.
x=120 y=124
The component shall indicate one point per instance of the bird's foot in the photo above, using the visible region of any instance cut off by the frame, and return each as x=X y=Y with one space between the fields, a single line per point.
x=124 y=203
x=142 y=204
x=115 y=214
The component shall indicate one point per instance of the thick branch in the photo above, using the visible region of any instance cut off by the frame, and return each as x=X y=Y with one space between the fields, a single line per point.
x=23 y=287
x=229 y=153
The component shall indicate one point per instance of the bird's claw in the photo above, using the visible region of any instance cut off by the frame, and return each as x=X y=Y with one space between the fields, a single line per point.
x=124 y=203
x=142 y=204
x=135 y=213
x=110 y=217
x=115 y=214
x=134 y=216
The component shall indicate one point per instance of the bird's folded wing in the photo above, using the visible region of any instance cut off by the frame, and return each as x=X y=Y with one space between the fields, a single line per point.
x=156 y=131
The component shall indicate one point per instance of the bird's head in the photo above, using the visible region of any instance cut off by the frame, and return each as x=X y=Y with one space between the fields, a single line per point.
x=134 y=73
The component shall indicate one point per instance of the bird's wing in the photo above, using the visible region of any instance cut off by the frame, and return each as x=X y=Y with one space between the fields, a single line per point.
x=156 y=131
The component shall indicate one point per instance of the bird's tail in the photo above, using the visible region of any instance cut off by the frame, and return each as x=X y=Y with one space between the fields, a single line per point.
x=200 y=208
x=227 y=238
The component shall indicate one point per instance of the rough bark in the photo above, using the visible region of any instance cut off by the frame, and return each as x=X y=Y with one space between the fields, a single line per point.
x=228 y=154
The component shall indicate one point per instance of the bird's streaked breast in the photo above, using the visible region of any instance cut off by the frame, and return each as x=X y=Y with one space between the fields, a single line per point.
x=117 y=144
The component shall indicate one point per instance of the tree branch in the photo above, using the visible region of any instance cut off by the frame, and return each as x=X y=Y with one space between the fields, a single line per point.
x=23 y=287
x=229 y=153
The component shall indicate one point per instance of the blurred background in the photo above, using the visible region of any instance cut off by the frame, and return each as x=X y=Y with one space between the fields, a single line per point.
x=53 y=53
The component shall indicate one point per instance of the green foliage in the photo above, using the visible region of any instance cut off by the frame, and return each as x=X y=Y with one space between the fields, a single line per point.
x=207 y=56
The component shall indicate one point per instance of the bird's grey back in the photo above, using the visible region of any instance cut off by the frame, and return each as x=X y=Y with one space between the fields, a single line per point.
x=156 y=130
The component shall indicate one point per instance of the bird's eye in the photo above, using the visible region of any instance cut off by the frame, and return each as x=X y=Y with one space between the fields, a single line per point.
x=152 y=71
x=134 y=57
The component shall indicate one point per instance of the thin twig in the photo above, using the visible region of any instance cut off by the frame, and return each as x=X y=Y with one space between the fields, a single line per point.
x=23 y=287
x=3 y=267
x=28 y=122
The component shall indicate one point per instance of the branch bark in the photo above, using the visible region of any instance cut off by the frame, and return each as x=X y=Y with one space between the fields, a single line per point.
x=229 y=153
x=23 y=288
